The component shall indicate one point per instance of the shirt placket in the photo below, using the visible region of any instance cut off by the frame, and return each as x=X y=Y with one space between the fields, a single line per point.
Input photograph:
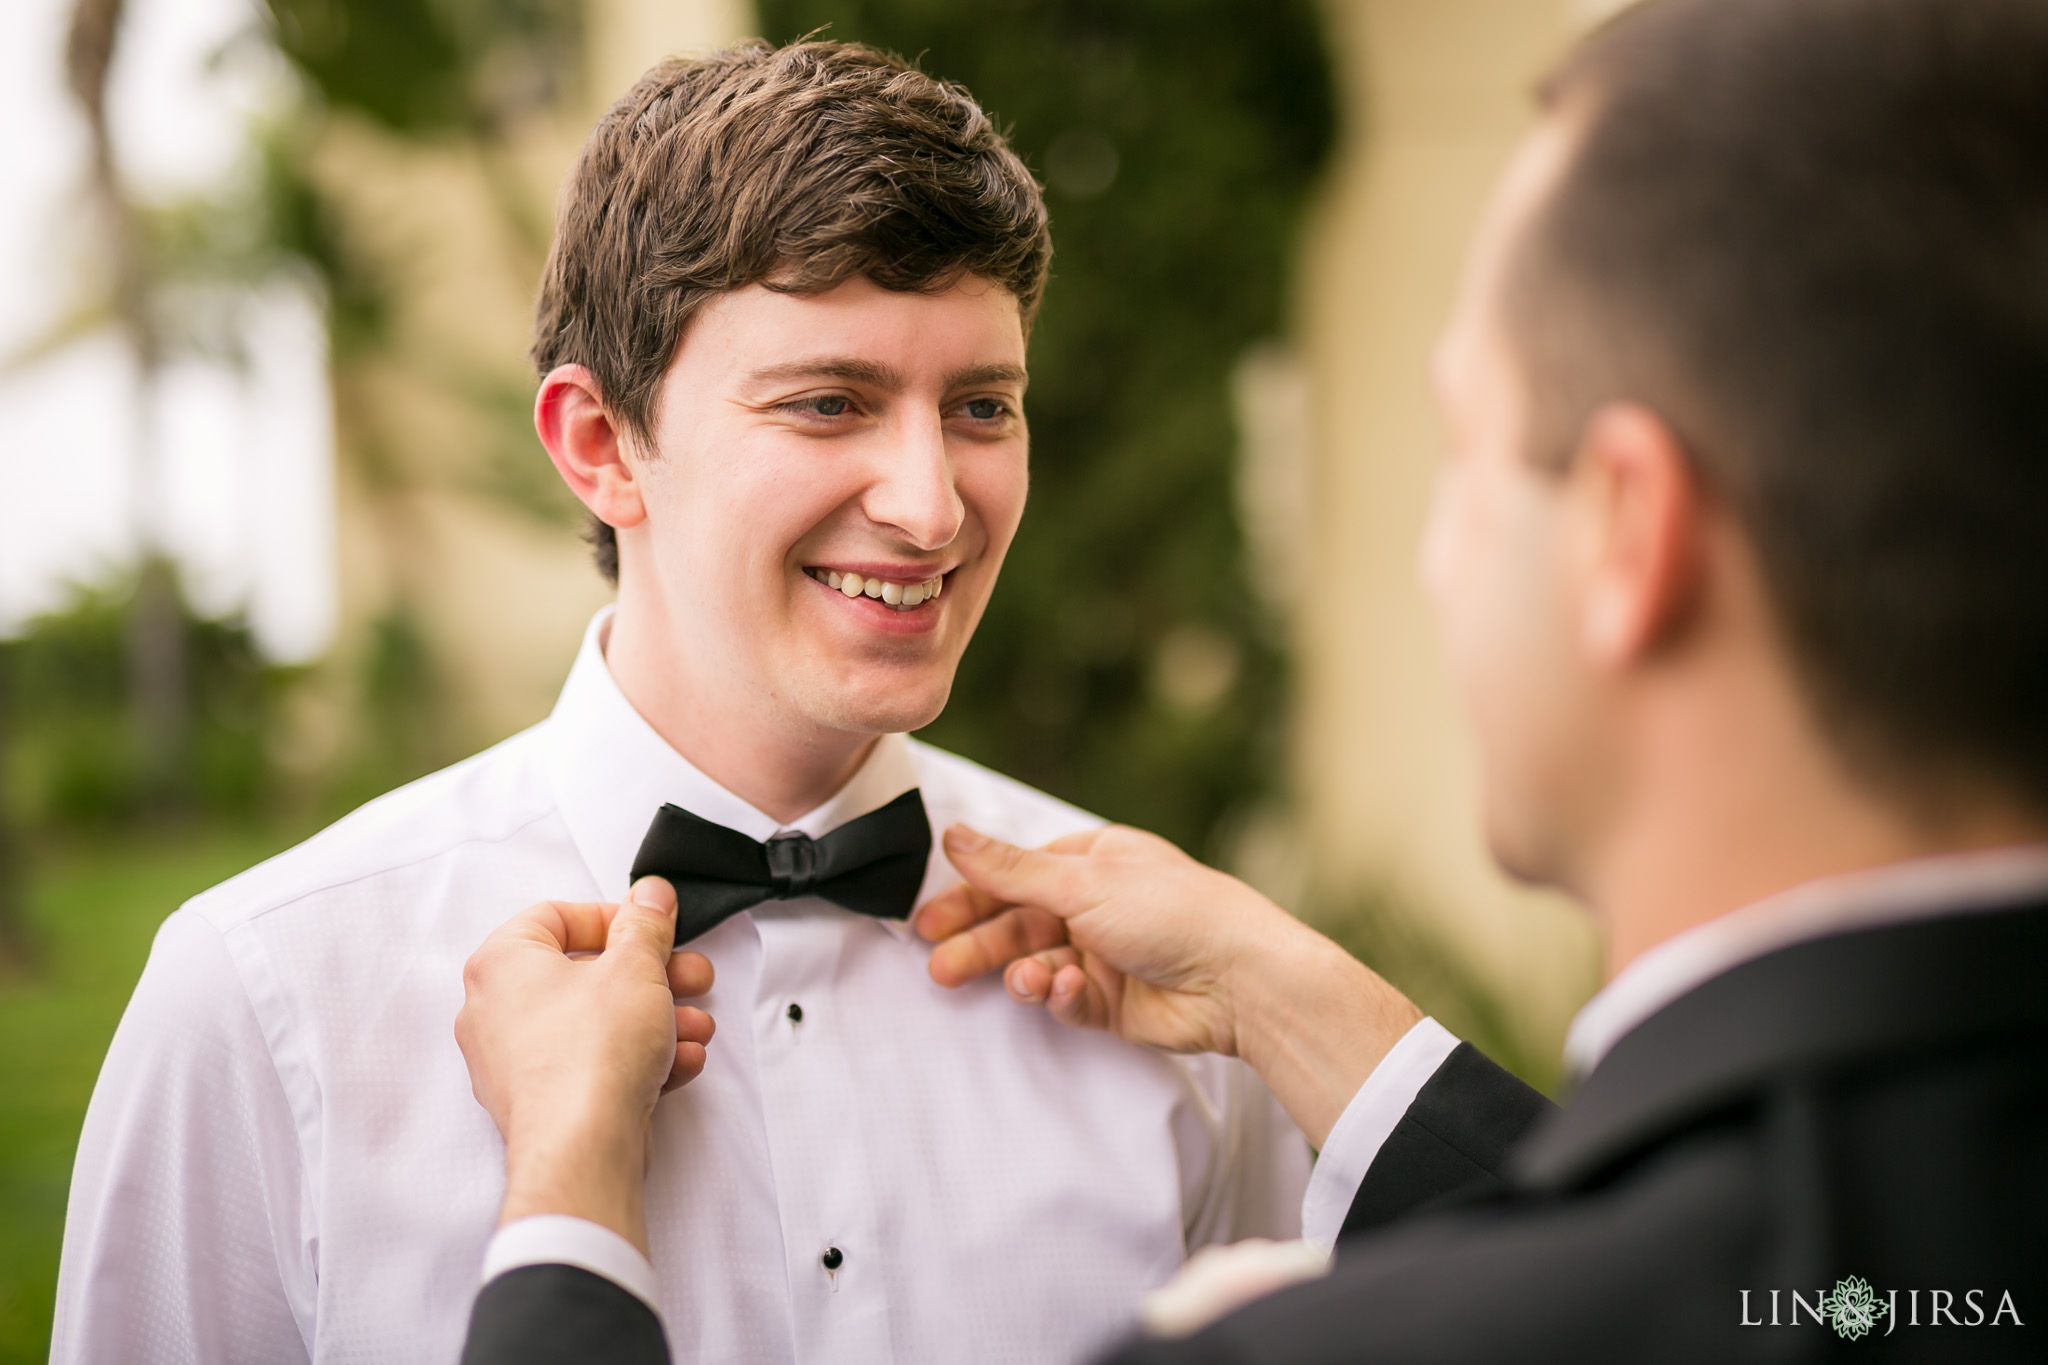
x=817 y=1140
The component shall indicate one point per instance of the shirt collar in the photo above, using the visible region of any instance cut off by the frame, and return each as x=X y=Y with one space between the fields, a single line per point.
x=1919 y=889
x=611 y=772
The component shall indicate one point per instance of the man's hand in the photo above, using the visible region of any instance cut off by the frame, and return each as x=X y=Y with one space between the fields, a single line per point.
x=1117 y=929
x=570 y=1055
x=1112 y=929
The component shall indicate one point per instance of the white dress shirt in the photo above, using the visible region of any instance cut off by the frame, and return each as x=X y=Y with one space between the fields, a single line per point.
x=283 y=1161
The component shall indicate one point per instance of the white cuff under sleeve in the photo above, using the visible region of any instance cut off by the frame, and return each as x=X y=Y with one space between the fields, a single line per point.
x=1366 y=1124
x=557 y=1239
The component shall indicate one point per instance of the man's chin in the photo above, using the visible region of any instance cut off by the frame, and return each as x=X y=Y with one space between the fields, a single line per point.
x=880 y=711
x=1521 y=854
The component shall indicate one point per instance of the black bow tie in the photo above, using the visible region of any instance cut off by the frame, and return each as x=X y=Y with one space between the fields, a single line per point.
x=873 y=865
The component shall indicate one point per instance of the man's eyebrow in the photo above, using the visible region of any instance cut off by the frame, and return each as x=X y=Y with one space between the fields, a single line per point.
x=874 y=374
x=986 y=374
x=850 y=368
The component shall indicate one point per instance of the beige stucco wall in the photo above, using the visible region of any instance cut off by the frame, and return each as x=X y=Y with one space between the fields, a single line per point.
x=1436 y=95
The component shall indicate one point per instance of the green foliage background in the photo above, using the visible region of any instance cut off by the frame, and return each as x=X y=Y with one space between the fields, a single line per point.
x=1219 y=115
x=74 y=762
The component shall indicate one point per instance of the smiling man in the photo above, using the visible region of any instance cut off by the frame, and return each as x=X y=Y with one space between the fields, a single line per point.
x=782 y=339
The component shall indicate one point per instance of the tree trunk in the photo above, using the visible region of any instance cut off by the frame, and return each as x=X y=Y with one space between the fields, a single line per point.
x=157 y=690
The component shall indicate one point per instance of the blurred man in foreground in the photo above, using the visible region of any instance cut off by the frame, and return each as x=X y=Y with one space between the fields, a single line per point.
x=1739 y=561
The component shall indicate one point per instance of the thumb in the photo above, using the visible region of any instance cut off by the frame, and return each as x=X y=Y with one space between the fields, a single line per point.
x=644 y=931
x=1020 y=876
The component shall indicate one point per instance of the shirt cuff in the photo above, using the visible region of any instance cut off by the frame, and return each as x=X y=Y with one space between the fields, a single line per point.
x=1366 y=1124
x=557 y=1239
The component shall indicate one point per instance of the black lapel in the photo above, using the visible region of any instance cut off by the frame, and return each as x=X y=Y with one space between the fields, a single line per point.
x=1806 y=1007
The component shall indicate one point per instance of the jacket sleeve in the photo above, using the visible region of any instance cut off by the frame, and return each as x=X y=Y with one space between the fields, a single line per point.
x=561 y=1315
x=1450 y=1145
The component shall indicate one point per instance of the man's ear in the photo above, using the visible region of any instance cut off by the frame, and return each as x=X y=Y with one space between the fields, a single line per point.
x=1642 y=534
x=587 y=446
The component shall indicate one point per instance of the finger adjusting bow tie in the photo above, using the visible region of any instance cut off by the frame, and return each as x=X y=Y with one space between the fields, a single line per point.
x=873 y=865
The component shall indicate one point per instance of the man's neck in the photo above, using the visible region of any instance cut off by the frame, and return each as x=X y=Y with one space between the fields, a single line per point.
x=1694 y=881
x=1725 y=816
x=783 y=770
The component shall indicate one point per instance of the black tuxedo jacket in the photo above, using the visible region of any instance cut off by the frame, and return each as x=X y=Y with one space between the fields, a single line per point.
x=1871 y=1105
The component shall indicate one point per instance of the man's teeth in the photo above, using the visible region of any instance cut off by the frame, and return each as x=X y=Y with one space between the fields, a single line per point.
x=902 y=596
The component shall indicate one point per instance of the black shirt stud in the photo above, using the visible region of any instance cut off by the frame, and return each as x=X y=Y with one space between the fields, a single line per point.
x=833 y=1258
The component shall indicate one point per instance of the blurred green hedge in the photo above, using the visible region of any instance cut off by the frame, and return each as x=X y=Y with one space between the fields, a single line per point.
x=73 y=757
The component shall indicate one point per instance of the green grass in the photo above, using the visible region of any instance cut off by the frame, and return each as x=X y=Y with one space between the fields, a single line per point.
x=93 y=907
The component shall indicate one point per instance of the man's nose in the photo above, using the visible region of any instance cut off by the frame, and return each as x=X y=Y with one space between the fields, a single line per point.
x=913 y=491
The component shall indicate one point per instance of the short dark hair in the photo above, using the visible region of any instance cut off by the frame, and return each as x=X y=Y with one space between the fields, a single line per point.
x=797 y=168
x=1813 y=236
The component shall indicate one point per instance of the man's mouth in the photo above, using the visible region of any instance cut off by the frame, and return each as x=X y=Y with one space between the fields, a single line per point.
x=894 y=595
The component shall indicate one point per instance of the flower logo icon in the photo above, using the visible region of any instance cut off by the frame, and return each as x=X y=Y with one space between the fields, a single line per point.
x=1853 y=1308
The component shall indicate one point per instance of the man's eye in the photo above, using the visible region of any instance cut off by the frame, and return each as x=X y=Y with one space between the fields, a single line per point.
x=984 y=409
x=831 y=405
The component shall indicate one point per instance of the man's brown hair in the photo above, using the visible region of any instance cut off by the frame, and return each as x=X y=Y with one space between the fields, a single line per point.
x=1813 y=236
x=797 y=168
